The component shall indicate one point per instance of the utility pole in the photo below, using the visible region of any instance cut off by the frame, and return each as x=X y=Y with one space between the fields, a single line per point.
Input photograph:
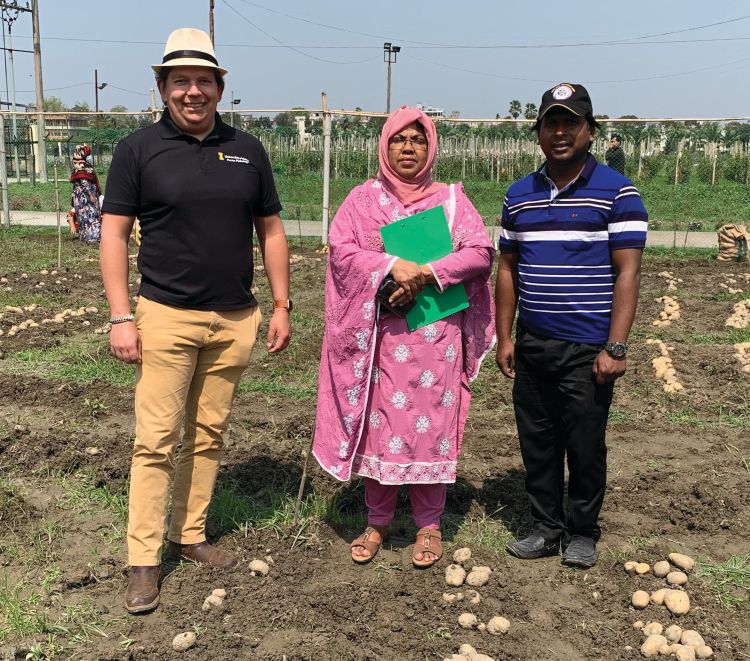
x=211 y=21
x=42 y=161
x=390 y=55
x=13 y=120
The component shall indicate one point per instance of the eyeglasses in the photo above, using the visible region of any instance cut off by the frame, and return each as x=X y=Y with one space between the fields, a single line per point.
x=399 y=141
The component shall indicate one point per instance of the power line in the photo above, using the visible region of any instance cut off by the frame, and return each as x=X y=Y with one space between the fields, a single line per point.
x=600 y=82
x=622 y=41
x=421 y=47
x=292 y=48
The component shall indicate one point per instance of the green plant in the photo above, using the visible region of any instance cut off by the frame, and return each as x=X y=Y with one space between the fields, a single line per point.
x=729 y=580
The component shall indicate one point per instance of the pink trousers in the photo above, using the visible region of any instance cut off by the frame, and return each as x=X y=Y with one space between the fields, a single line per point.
x=427 y=503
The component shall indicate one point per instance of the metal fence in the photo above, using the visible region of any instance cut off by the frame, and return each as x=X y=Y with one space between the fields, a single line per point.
x=314 y=149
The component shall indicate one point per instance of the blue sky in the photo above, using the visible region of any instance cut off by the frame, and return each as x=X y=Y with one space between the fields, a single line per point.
x=701 y=74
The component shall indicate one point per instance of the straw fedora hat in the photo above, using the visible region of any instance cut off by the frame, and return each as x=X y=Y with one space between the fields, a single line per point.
x=188 y=47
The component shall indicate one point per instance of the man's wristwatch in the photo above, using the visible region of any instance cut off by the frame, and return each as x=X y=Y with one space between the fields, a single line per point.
x=285 y=303
x=617 y=350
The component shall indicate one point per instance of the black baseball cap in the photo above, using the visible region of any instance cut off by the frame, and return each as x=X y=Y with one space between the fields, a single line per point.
x=572 y=96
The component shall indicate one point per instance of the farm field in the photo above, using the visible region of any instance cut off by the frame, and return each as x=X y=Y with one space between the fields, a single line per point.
x=679 y=480
x=693 y=205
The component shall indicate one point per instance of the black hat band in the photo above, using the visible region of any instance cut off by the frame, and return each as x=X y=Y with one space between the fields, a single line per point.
x=189 y=53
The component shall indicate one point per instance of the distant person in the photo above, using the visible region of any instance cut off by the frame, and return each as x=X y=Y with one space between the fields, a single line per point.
x=85 y=217
x=571 y=240
x=392 y=402
x=198 y=187
x=615 y=156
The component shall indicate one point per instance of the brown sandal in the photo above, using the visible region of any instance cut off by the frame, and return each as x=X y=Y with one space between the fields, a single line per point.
x=364 y=541
x=428 y=541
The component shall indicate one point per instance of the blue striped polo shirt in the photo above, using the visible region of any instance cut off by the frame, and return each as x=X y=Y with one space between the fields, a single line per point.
x=564 y=240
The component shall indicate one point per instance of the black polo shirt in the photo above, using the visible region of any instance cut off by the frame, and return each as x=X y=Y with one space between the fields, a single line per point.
x=195 y=201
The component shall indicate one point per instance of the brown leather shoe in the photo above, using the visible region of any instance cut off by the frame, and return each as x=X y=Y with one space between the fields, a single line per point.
x=203 y=553
x=143 y=589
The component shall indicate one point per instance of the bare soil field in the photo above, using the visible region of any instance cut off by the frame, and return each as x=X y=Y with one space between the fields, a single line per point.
x=679 y=480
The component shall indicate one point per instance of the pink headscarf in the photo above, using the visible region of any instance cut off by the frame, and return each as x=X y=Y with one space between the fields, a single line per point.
x=408 y=191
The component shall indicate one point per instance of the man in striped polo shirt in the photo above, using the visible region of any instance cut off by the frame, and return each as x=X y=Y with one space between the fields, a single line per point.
x=571 y=242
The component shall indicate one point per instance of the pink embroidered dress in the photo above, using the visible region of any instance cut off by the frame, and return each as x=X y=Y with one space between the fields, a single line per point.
x=392 y=403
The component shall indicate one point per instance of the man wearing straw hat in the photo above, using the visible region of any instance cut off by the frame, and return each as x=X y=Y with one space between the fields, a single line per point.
x=198 y=187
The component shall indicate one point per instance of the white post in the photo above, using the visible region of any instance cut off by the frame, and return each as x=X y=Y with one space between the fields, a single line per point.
x=57 y=210
x=326 y=168
x=4 y=174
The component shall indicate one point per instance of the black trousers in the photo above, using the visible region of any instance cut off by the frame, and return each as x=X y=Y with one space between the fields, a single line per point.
x=561 y=411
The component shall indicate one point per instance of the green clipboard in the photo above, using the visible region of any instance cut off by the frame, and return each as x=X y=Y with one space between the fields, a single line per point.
x=421 y=238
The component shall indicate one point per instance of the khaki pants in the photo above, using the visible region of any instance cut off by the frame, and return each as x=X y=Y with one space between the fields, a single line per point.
x=192 y=364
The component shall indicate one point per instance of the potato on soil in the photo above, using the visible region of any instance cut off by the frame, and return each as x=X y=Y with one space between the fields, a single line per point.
x=677 y=578
x=673 y=633
x=183 y=641
x=455 y=575
x=661 y=569
x=471 y=654
x=639 y=599
x=642 y=568
x=703 y=652
x=652 y=628
x=652 y=645
x=478 y=576
x=685 y=653
x=657 y=597
x=498 y=626
x=462 y=555
x=630 y=566
x=473 y=596
x=638 y=625
x=677 y=602
x=258 y=567
x=213 y=602
x=682 y=561
x=692 y=637
x=468 y=620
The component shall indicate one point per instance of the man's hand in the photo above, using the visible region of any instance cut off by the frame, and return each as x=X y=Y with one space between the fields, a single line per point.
x=505 y=357
x=125 y=342
x=411 y=280
x=606 y=369
x=279 y=331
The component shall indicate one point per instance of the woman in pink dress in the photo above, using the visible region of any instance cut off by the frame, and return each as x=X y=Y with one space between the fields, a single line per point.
x=392 y=403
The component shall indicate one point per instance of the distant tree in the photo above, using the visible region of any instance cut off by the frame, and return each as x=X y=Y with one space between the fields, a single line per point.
x=54 y=104
x=284 y=119
x=529 y=111
x=514 y=109
x=81 y=106
x=118 y=108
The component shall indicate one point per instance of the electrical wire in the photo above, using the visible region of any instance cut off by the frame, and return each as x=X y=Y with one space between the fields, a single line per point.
x=599 y=82
x=292 y=48
x=622 y=41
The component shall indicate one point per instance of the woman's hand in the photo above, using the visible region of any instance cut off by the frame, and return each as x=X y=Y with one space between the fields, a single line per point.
x=410 y=279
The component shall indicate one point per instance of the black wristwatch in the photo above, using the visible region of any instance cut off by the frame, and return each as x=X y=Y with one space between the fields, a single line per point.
x=618 y=350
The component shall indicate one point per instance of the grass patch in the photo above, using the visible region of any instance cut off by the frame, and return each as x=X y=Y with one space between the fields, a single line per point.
x=654 y=253
x=729 y=580
x=615 y=415
x=633 y=548
x=83 y=494
x=729 y=336
x=271 y=386
x=31 y=249
x=83 y=362
x=686 y=416
x=21 y=612
x=232 y=510
x=484 y=531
